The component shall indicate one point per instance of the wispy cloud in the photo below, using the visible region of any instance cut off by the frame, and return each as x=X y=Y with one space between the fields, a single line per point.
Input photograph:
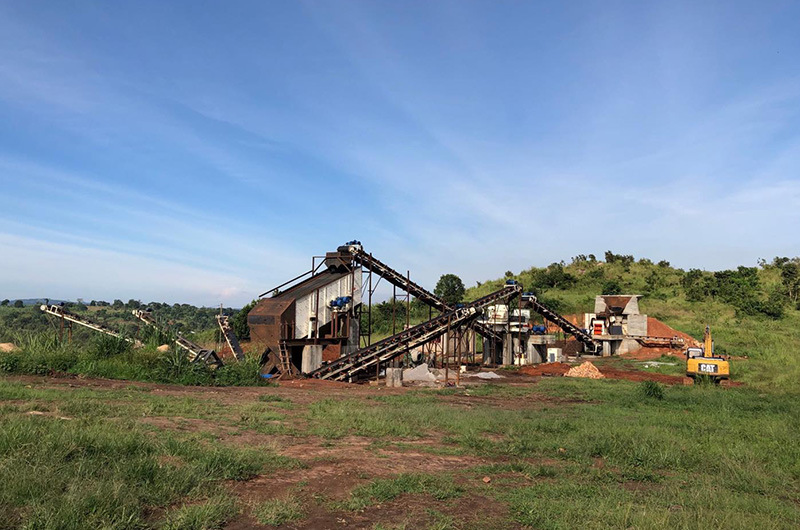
x=460 y=137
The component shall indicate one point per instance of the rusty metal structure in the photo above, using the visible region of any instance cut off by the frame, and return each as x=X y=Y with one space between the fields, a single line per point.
x=530 y=301
x=319 y=315
x=372 y=357
x=67 y=319
x=194 y=352
x=311 y=324
x=353 y=254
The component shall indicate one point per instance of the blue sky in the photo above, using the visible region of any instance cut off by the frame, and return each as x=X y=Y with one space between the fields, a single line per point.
x=202 y=152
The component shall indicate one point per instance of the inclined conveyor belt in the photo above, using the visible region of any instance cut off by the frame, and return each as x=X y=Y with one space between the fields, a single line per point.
x=383 y=351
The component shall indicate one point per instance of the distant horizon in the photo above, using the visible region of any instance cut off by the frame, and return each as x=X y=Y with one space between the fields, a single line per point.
x=378 y=298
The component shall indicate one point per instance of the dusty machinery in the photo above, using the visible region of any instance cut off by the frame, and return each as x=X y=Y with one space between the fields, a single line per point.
x=230 y=337
x=701 y=363
x=194 y=352
x=67 y=319
x=371 y=358
x=530 y=301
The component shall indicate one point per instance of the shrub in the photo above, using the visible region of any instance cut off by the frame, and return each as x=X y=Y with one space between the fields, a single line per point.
x=651 y=390
x=104 y=346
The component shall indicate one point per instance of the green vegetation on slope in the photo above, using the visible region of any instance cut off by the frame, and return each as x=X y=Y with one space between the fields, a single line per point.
x=752 y=311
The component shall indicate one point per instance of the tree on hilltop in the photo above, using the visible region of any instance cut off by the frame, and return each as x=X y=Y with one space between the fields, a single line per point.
x=450 y=288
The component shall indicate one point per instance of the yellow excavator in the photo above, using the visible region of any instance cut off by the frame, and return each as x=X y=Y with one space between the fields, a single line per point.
x=701 y=363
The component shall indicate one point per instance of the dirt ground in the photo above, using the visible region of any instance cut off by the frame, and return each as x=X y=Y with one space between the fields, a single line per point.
x=332 y=468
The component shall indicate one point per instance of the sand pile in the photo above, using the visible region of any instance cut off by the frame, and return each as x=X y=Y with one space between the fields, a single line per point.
x=587 y=370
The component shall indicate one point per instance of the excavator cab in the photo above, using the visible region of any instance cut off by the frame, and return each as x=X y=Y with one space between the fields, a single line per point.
x=702 y=363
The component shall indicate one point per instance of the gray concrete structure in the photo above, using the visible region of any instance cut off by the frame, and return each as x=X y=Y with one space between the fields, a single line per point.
x=628 y=303
x=637 y=325
x=312 y=358
x=508 y=350
x=536 y=351
x=394 y=377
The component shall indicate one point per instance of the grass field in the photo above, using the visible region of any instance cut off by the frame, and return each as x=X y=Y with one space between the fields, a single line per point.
x=527 y=453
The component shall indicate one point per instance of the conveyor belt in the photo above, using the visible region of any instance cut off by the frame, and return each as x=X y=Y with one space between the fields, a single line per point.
x=568 y=327
x=230 y=337
x=60 y=312
x=672 y=342
x=195 y=351
x=383 y=351
x=403 y=282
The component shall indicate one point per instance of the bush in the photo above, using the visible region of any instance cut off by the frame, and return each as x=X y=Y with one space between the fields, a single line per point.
x=651 y=390
x=612 y=287
x=239 y=321
x=104 y=346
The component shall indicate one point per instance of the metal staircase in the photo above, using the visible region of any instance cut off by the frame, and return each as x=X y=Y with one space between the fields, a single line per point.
x=345 y=368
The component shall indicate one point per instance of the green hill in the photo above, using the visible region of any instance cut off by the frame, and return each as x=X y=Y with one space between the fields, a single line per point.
x=753 y=311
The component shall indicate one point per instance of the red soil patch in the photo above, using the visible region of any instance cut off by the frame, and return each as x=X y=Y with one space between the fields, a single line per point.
x=552 y=369
x=656 y=328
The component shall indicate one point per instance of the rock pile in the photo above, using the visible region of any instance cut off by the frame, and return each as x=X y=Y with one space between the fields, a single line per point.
x=586 y=369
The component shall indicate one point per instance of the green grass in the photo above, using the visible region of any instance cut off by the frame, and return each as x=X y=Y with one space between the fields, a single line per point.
x=276 y=512
x=107 y=357
x=76 y=474
x=561 y=453
x=439 y=487
x=735 y=442
x=85 y=459
x=210 y=514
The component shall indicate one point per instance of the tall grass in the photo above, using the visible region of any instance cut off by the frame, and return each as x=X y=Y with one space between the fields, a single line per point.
x=93 y=474
x=106 y=356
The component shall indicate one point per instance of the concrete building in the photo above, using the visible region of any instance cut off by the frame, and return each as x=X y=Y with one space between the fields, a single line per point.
x=617 y=322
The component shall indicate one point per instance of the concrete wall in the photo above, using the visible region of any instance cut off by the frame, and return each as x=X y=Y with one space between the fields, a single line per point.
x=628 y=346
x=312 y=358
x=631 y=307
x=394 y=377
x=637 y=325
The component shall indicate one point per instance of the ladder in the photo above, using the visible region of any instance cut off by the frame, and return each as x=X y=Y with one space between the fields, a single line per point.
x=285 y=359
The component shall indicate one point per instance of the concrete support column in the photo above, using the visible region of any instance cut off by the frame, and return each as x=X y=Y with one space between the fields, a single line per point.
x=312 y=358
x=508 y=350
x=394 y=377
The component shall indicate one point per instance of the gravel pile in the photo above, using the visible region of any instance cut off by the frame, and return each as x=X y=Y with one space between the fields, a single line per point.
x=587 y=370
